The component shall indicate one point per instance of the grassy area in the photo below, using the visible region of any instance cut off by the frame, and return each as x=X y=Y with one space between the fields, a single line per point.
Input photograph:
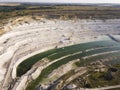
x=81 y=47
x=27 y=64
x=55 y=65
x=99 y=57
x=55 y=11
x=100 y=79
x=58 y=11
x=49 y=69
x=109 y=77
x=57 y=53
x=65 y=60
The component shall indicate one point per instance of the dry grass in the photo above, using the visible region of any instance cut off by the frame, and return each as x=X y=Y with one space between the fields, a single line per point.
x=1 y=31
x=9 y=4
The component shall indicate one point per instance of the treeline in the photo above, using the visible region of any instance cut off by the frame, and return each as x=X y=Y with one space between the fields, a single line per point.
x=41 y=7
x=11 y=8
x=23 y=7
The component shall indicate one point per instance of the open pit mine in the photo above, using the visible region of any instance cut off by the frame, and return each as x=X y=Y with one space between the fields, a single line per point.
x=56 y=54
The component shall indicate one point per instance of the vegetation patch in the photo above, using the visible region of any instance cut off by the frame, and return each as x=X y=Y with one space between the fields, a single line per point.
x=60 y=52
x=102 y=79
x=65 y=60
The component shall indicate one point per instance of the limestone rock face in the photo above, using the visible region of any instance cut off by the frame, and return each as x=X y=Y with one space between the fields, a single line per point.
x=26 y=36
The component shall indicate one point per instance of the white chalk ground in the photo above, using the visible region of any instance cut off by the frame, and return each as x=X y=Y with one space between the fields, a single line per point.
x=117 y=37
x=23 y=40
